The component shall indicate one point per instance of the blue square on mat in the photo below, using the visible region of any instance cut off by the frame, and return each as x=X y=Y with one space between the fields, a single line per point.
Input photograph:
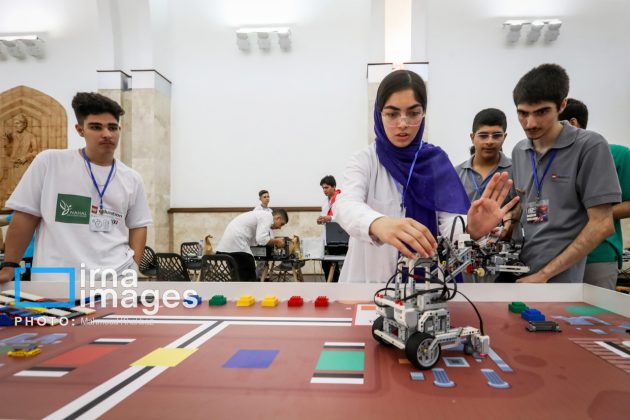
x=260 y=359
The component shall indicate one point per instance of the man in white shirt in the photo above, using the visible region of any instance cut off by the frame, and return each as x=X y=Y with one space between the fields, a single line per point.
x=87 y=207
x=263 y=196
x=329 y=188
x=250 y=229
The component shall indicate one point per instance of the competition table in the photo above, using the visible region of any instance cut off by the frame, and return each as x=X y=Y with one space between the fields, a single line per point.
x=313 y=363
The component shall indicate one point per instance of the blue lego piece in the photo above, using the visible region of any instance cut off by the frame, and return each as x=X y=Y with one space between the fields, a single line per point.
x=532 y=315
x=6 y=321
x=193 y=300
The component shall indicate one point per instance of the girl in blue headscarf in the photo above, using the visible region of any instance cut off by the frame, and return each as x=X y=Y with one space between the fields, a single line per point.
x=402 y=191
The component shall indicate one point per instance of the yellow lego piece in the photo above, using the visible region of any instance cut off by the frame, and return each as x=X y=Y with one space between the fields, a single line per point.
x=245 y=300
x=38 y=310
x=270 y=301
x=24 y=353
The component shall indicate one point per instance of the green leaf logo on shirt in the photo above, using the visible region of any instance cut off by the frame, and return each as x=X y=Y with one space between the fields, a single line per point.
x=73 y=209
x=64 y=207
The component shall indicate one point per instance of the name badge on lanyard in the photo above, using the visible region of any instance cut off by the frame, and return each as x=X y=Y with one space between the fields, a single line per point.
x=538 y=210
x=99 y=222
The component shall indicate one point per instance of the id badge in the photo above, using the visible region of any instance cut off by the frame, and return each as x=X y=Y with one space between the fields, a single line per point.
x=100 y=223
x=538 y=211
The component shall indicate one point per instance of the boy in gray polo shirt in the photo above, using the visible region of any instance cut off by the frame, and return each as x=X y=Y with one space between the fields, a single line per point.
x=566 y=179
x=487 y=136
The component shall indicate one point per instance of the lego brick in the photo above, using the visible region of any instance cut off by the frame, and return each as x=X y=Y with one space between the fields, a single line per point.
x=532 y=315
x=296 y=301
x=270 y=301
x=321 y=302
x=517 y=307
x=245 y=301
x=193 y=300
x=217 y=300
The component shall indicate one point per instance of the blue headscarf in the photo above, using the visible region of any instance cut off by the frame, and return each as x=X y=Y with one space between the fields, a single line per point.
x=432 y=185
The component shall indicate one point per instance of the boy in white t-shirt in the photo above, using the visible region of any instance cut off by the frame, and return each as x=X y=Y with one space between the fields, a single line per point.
x=87 y=207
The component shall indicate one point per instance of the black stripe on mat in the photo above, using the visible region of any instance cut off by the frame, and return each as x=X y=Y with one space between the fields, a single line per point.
x=338 y=375
x=51 y=369
x=108 y=393
x=618 y=347
x=190 y=340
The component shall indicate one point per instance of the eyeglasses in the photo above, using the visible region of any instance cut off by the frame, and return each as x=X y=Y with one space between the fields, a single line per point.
x=114 y=128
x=494 y=136
x=393 y=118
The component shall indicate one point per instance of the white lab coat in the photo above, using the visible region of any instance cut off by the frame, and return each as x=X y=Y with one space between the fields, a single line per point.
x=246 y=230
x=370 y=192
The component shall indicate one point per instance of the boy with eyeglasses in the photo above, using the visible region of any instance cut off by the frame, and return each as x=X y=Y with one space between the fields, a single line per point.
x=487 y=136
x=566 y=180
x=87 y=207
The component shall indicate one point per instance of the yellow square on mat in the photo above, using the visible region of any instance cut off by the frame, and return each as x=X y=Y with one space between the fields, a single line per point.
x=164 y=357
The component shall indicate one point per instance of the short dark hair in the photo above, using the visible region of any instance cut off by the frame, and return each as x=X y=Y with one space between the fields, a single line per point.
x=261 y=192
x=547 y=82
x=90 y=103
x=282 y=213
x=575 y=109
x=328 y=180
x=401 y=80
x=489 y=116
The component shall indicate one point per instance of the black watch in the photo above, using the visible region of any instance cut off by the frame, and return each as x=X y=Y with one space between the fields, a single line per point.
x=9 y=264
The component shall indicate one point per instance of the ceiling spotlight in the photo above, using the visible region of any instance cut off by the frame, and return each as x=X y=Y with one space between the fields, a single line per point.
x=535 y=29
x=284 y=39
x=242 y=40
x=19 y=46
x=264 y=43
x=514 y=29
x=553 y=30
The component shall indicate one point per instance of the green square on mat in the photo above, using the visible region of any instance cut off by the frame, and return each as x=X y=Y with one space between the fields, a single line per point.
x=586 y=310
x=340 y=360
x=5 y=349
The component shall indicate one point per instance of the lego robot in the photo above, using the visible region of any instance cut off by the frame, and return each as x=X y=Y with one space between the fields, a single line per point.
x=413 y=315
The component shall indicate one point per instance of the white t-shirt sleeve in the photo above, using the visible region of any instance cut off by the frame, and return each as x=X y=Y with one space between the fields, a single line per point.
x=138 y=213
x=27 y=196
x=263 y=227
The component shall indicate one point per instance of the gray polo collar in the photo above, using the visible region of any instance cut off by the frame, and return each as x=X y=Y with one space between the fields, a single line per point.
x=565 y=139
x=504 y=162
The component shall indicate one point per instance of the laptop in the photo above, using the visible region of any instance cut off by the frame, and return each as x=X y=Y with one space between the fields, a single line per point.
x=335 y=235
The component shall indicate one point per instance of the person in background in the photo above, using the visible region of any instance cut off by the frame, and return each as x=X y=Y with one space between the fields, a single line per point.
x=329 y=188
x=603 y=263
x=263 y=196
x=488 y=135
x=249 y=229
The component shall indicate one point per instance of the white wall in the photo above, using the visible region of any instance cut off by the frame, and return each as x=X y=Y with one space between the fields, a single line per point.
x=276 y=120
x=472 y=68
x=281 y=121
x=70 y=30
